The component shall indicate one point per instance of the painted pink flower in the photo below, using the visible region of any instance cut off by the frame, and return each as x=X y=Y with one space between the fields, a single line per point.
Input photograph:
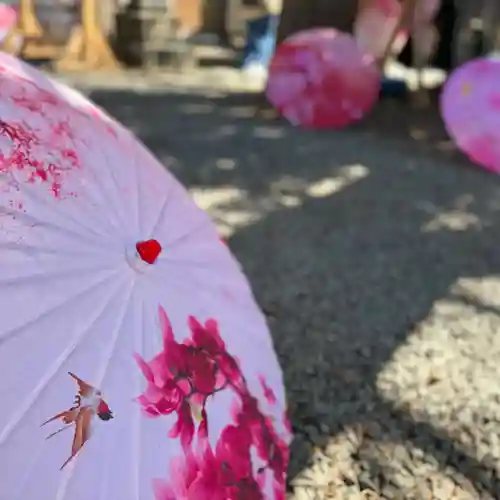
x=184 y=427
x=161 y=400
x=179 y=380
x=164 y=393
x=26 y=136
x=221 y=474
x=268 y=392
x=184 y=375
x=269 y=446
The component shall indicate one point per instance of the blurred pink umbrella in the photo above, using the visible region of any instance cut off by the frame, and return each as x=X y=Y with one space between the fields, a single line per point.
x=320 y=78
x=470 y=107
x=8 y=19
x=134 y=361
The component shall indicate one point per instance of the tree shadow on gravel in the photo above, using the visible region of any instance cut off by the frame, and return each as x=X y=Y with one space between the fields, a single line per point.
x=352 y=239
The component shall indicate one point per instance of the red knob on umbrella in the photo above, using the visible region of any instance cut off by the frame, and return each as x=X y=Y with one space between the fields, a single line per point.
x=148 y=250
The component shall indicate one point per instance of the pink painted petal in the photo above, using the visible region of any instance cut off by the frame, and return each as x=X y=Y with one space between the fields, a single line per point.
x=163 y=492
x=153 y=394
x=145 y=368
x=148 y=409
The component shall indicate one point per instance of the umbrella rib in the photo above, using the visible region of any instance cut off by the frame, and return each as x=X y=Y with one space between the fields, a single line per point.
x=102 y=200
x=161 y=212
x=30 y=193
x=137 y=192
x=205 y=223
x=102 y=368
x=117 y=209
x=30 y=464
x=208 y=264
x=54 y=369
x=30 y=249
x=31 y=279
x=107 y=193
x=4 y=336
x=36 y=222
x=83 y=143
x=136 y=433
x=104 y=194
x=115 y=335
x=206 y=296
x=216 y=275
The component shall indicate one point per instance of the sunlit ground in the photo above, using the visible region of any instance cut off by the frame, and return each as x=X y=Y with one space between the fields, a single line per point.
x=233 y=208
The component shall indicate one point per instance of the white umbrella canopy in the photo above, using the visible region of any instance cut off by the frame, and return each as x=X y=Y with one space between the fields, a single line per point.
x=129 y=336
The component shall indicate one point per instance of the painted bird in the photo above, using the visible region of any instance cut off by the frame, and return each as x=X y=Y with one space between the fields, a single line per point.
x=88 y=404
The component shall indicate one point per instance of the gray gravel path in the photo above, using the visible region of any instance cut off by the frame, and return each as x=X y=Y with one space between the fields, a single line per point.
x=377 y=263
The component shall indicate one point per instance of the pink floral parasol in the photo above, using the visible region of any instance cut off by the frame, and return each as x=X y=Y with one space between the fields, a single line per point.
x=470 y=107
x=8 y=19
x=320 y=78
x=135 y=363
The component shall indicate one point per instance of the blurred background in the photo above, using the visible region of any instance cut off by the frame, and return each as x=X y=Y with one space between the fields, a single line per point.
x=213 y=28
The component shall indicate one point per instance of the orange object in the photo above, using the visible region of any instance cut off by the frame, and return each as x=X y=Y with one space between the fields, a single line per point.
x=87 y=47
x=190 y=15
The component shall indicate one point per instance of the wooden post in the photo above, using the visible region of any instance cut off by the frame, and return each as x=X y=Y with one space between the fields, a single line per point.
x=87 y=48
x=28 y=23
x=190 y=15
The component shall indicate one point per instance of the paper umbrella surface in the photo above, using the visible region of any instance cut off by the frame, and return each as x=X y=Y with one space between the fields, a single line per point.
x=134 y=362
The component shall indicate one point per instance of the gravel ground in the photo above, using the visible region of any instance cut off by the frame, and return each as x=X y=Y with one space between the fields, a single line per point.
x=377 y=262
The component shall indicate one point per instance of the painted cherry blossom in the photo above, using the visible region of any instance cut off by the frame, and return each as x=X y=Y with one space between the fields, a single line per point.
x=37 y=141
x=249 y=458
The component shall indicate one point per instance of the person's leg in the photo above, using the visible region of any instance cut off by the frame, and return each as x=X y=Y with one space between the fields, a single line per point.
x=260 y=44
x=466 y=30
x=491 y=26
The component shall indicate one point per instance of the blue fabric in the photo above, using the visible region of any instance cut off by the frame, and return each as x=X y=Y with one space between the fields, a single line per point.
x=261 y=40
x=393 y=87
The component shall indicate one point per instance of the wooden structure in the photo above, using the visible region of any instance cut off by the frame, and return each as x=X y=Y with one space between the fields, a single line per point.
x=150 y=31
x=214 y=17
x=86 y=49
x=189 y=14
x=144 y=30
